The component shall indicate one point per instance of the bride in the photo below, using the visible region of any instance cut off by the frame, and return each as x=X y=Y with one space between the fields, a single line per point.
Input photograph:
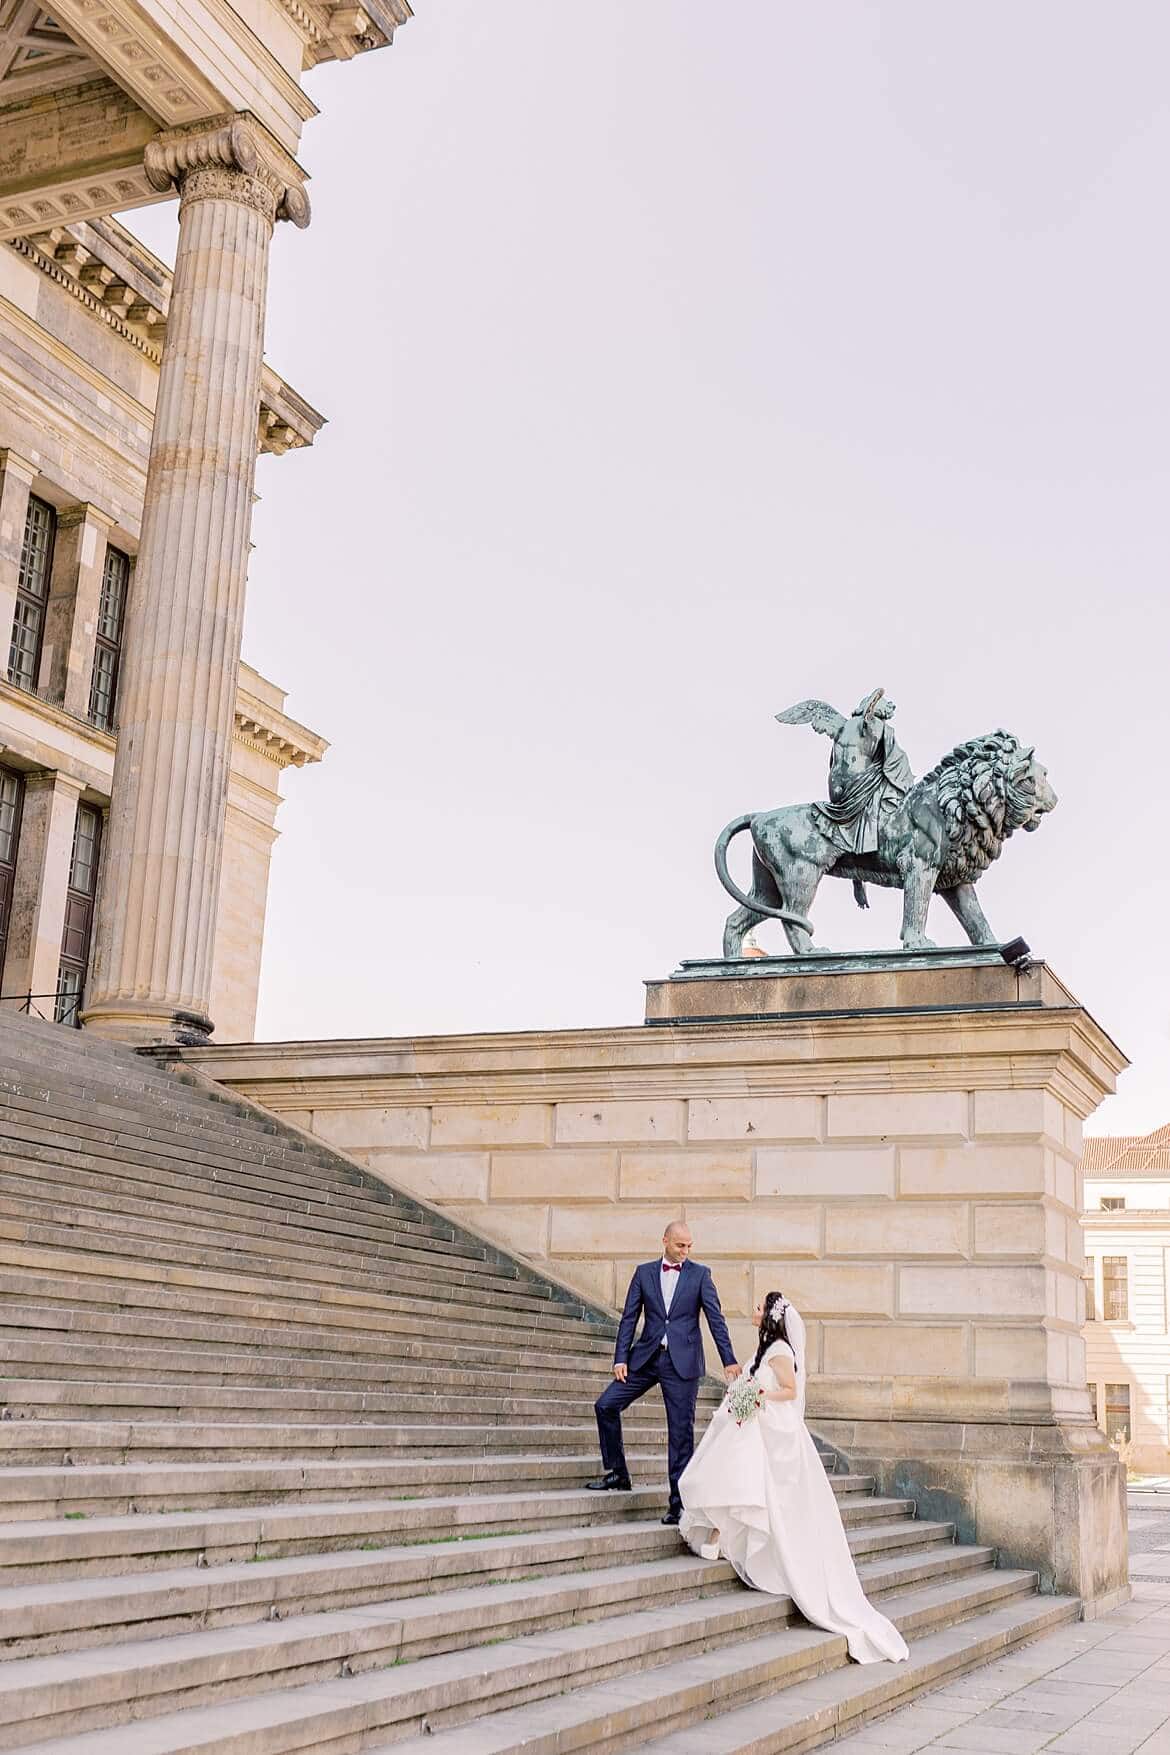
x=758 y=1495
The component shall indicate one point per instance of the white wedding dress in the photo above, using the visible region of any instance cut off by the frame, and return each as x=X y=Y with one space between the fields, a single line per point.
x=763 y=1487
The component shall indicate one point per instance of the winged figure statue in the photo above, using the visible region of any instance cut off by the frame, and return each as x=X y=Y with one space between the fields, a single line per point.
x=869 y=774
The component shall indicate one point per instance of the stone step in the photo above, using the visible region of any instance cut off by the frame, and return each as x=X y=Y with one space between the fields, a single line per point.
x=70 y=1614
x=234 y=1177
x=171 y=1107
x=72 y=1360
x=304 y=1173
x=192 y=1195
x=689 y=1708
x=127 y=1076
x=34 y=1043
x=293 y=1255
x=165 y=1117
x=80 y=1399
x=75 y=1613
x=318 y=1177
x=114 y=1281
x=31 y=1443
x=234 y=1183
x=290 y=1343
x=320 y=1223
x=350 y=1183
x=380 y=1706
x=157 y=1674
x=127 y=1489
x=71 y=1548
x=225 y=1663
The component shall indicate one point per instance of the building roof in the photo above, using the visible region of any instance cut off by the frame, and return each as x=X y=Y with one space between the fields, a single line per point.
x=1129 y=1156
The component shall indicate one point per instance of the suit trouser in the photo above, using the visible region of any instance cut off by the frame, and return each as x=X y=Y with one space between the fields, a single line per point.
x=680 y=1395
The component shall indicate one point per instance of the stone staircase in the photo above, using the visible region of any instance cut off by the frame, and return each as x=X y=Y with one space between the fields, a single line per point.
x=289 y=1462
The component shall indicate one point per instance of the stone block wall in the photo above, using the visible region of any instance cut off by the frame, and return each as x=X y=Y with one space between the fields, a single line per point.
x=926 y=1235
x=910 y=1178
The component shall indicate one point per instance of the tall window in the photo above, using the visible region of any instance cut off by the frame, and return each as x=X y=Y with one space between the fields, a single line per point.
x=83 y=874
x=32 y=592
x=1095 y=1398
x=1115 y=1288
x=11 y=793
x=1117 y=1413
x=103 y=688
x=1112 y=1203
x=1090 y=1291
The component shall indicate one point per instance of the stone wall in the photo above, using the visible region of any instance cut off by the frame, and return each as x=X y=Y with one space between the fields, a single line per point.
x=908 y=1178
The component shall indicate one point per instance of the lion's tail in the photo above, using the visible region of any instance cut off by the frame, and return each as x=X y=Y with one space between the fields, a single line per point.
x=859 y=895
x=735 y=827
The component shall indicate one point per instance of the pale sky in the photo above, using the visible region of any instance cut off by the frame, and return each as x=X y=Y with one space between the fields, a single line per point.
x=680 y=362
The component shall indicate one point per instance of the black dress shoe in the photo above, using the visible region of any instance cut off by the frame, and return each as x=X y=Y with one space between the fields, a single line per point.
x=672 y=1516
x=611 y=1482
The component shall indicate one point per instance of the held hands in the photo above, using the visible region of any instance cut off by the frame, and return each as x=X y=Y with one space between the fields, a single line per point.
x=731 y=1372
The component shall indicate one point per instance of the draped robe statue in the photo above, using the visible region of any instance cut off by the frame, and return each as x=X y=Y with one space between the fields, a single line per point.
x=869 y=773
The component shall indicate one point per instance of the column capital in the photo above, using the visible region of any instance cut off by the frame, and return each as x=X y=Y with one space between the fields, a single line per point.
x=84 y=512
x=229 y=158
x=53 y=779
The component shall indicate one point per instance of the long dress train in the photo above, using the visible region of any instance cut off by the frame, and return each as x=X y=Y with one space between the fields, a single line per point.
x=764 y=1488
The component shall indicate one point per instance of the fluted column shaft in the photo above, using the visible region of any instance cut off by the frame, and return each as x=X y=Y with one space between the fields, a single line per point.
x=151 y=976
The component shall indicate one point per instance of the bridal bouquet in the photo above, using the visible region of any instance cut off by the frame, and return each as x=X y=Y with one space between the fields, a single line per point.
x=744 y=1398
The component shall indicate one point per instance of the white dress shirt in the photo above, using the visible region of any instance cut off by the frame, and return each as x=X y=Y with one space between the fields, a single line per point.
x=668 y=1279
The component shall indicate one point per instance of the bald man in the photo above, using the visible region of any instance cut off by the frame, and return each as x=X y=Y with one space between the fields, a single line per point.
x=669 y=1293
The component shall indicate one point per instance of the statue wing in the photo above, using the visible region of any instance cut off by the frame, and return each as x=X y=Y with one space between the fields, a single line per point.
x=818 y=714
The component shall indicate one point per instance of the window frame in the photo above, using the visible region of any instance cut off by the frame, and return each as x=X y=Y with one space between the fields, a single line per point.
x=1111 y=1407
x=1106 y=1315
x=32 y=603
x=80 y=905
x=108 y=646
x=8 y=866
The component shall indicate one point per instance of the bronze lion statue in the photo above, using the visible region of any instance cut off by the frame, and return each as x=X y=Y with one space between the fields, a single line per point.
x=942 y=836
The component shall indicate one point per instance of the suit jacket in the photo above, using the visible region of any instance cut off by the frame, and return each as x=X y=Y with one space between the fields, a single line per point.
x=695 y=1291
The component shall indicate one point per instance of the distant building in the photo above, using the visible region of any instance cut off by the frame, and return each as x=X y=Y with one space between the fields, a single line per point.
x=1127 y=1267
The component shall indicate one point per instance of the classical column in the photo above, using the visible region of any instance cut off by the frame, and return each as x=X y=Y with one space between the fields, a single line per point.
x=71 y=614
x=151 y=977
x=40 y=886
x=17 y=475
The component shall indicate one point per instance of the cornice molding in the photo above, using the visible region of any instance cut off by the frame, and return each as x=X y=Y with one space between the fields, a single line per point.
x=129 y=291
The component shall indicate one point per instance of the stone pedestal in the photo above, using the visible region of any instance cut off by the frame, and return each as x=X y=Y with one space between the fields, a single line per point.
x=151 y=977
x=893 y=1142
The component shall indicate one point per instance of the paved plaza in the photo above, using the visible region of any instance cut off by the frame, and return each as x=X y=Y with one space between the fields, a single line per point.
x=1098 y=1688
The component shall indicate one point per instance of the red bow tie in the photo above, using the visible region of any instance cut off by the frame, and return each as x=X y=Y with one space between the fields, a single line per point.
x=672 y=1267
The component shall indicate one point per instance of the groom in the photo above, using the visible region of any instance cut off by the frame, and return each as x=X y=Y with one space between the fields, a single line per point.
x=669 y=1352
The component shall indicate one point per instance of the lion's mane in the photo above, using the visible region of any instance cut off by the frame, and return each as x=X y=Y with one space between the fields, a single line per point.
x=982 y=789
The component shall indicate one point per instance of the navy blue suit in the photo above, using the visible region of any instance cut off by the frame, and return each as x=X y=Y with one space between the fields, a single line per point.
x=668 y=1352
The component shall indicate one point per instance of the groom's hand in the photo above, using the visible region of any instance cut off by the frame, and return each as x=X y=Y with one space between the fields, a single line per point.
x=731 y=1372
x=620 y=1371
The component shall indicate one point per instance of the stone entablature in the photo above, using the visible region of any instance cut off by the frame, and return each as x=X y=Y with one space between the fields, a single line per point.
x=84 y=86
x=105 y=269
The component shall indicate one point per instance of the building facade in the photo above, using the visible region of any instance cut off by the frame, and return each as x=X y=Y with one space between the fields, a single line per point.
x=142 y=445
x=1127 y=1291
x=83 y=312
